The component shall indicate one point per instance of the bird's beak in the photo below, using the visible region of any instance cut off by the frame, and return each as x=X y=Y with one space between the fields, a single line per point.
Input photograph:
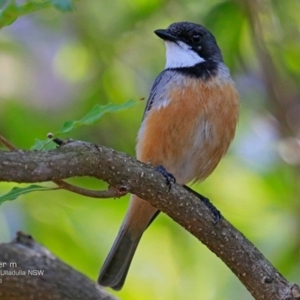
x=165 y=35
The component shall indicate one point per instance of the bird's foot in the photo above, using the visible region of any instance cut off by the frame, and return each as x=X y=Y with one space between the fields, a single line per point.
x=215 y=212
x=169 y=177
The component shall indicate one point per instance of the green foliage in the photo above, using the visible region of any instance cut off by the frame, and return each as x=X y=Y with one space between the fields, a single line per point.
x=11 y=11
x=89 y=119
x=15 y=192
x=63 y=5
x=94 y=115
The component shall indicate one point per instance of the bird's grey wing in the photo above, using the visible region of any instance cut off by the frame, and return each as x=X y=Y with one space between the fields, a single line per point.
x=159 y=86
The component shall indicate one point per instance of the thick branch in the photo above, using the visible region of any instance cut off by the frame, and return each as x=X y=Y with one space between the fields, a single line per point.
x=80 y=159
x=29 y=271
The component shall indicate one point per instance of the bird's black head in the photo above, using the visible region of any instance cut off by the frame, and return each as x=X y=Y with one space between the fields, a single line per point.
x=189 y=44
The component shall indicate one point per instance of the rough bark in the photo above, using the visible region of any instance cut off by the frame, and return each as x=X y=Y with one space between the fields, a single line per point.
x=29 y=271
x=79 y=159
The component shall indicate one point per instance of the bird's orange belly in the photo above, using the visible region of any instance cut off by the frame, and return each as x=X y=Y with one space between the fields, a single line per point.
x=192 y=132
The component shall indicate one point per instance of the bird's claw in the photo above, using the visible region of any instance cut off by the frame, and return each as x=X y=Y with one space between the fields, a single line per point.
x=169 y=177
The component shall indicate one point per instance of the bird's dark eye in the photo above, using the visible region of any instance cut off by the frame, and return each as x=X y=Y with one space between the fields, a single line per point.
x=196 y=38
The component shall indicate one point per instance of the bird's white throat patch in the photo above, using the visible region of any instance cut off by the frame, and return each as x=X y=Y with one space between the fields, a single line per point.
x=180 y=55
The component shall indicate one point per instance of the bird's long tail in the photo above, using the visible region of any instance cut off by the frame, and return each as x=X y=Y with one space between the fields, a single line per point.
x=139 y=216
x=116 y=265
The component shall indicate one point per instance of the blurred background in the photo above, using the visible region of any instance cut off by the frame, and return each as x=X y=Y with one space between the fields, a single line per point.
x=55 y=67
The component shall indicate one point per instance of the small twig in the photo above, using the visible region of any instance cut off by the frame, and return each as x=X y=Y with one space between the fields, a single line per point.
x=7 y=144
x=57 y=141
x=111 y=192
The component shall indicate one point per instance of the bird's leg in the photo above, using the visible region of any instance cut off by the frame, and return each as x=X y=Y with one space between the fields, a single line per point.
x=216 y=213
x=169 y=177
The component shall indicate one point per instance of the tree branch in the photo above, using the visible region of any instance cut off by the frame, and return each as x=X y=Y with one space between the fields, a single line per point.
x=118 y=169
x=29 y=271
x=111 y=192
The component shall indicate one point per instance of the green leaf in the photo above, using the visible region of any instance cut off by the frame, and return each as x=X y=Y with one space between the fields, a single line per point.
x=12 y=11
x=15 y=192
x=46 y=144
x=63 y=5
x=90 y=118
x=94 y=115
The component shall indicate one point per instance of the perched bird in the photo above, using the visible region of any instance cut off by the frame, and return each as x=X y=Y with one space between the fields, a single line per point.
x=188 y=124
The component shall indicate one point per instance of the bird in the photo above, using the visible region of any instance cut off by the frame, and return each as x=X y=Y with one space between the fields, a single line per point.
x=188 y=124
